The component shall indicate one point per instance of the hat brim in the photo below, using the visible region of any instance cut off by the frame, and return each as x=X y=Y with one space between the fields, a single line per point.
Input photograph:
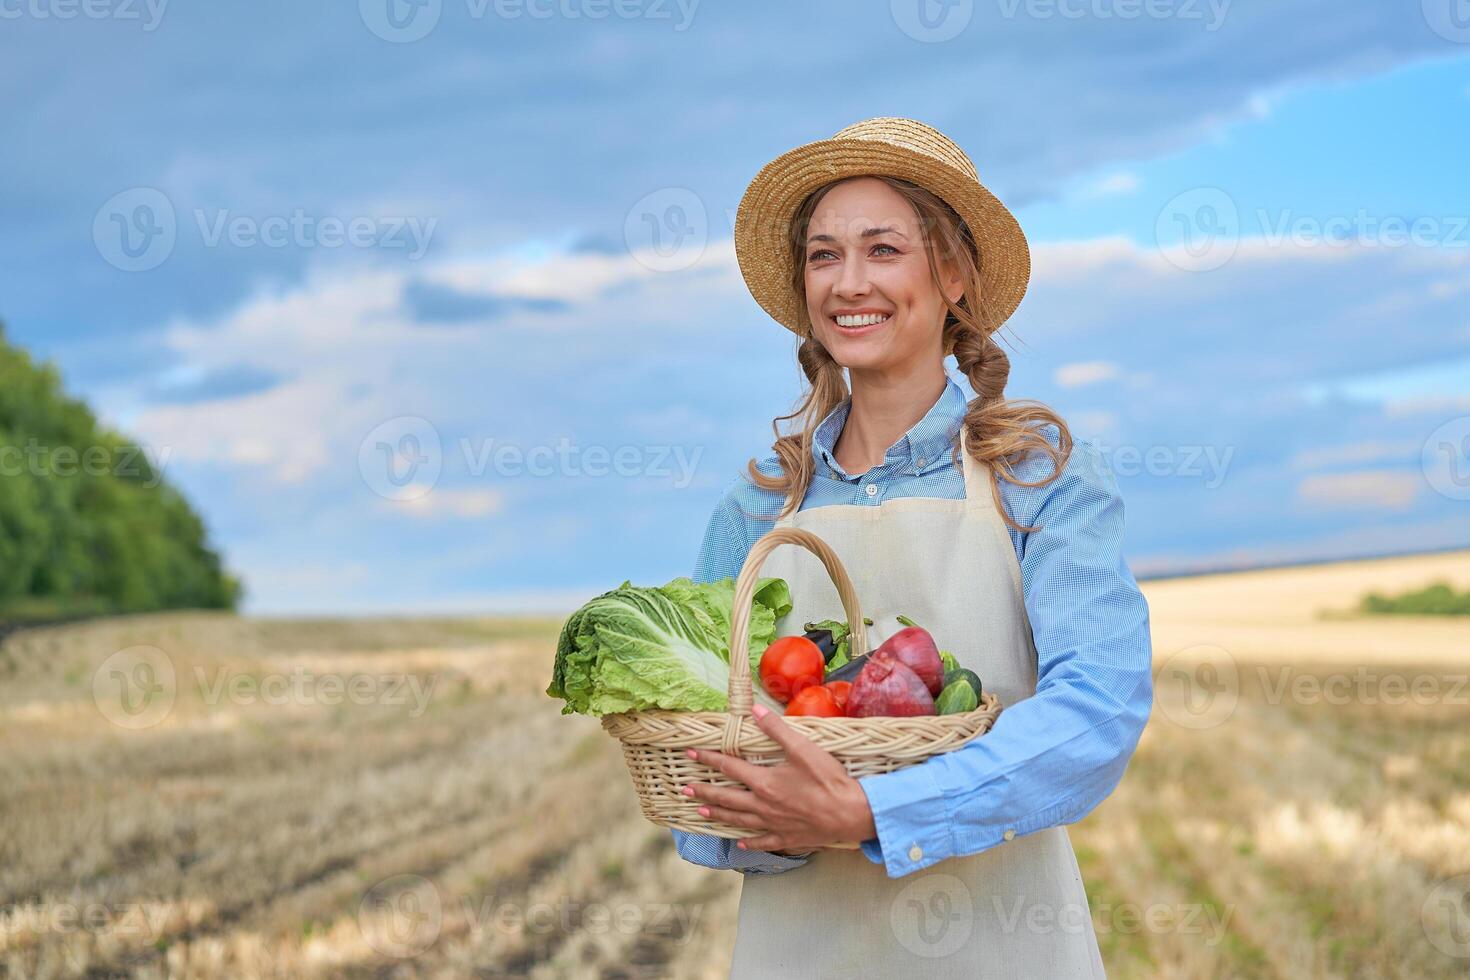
x=763 y=222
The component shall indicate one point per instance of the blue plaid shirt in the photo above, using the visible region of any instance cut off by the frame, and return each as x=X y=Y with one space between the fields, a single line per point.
x=1051 y=758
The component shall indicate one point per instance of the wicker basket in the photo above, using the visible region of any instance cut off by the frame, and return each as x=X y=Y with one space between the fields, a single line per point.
x=654 y=742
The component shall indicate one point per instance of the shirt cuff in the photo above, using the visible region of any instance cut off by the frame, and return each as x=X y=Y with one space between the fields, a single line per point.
x=763 y=862
x=911 y=815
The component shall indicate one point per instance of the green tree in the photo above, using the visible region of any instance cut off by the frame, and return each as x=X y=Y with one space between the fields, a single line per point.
x=86 y=524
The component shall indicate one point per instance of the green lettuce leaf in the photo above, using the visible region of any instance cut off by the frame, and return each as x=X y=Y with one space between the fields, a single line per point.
x=637 y=647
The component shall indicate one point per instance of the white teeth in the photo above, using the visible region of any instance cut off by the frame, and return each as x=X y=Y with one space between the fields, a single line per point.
x=861 y=321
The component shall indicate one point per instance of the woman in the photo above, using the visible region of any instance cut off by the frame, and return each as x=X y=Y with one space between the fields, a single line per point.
x=980 y=520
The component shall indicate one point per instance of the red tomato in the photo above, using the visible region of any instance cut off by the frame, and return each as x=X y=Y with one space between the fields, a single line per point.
x=789 y=665
x=840 y=690
x=816 y=701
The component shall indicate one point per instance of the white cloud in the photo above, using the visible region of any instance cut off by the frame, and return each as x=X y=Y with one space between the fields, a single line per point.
x=1085 y=373
x=445 y=502
x=1365 y=489
x=1110 y=186
x=1354 y=452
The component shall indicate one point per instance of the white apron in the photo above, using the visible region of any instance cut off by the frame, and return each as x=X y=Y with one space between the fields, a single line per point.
x=1017 y=911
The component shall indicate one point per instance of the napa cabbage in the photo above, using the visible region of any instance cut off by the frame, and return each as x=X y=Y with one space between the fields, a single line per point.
x=638 y=647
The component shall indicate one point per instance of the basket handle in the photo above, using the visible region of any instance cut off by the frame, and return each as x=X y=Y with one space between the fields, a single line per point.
x=740 y=689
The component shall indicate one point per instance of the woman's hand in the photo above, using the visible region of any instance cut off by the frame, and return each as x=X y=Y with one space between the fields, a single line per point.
x=805 y=802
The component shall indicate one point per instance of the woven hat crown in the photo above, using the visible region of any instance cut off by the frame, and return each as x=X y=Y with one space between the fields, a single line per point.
x=913 y=135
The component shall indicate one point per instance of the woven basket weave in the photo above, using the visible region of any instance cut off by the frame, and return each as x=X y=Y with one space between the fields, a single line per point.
x=654 y=742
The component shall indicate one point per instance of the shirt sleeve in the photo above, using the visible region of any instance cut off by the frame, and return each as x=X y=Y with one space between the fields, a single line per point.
x=1052 y=757
x=721 y=556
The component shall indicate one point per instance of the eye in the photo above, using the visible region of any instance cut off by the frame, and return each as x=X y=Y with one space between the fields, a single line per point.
x=884 y=245
x=818 y=254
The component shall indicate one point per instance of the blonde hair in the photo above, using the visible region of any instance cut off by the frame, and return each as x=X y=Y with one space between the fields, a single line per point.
x=1001 y=432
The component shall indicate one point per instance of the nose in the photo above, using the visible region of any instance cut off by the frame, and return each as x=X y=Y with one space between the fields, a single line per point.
x=853 y=279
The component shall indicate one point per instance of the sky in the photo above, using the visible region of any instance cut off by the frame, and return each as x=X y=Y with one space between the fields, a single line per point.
x=432 y=305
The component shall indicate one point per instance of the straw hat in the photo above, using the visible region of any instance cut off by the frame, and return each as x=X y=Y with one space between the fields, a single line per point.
x=890 y=146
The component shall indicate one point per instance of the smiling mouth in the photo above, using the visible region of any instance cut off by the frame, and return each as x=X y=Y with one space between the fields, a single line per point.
x=860 y=322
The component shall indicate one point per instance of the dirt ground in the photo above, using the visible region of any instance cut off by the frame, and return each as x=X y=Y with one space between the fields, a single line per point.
x=201 y=796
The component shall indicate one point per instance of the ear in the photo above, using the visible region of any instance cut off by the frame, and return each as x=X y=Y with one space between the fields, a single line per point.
x=951 y=282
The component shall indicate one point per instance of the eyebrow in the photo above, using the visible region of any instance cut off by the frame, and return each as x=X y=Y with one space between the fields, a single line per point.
x=866 y=234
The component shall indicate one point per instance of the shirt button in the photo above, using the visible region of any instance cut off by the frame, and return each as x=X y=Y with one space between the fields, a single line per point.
x=915 y=853
x=922 y=462
x=1009 y=834
x=872 y=489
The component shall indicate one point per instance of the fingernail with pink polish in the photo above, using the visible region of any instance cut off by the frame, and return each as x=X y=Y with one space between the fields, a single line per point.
x=760 y=711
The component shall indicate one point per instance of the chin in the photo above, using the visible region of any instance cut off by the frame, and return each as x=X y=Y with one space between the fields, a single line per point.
x=866 y=352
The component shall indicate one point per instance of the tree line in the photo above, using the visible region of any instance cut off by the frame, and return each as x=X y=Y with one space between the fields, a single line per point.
x=87 y=523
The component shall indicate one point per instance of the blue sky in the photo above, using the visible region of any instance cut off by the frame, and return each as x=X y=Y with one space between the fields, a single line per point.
x=505 y=227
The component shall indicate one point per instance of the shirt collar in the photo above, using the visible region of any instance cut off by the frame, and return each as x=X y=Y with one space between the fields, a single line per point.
x=924 y=445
